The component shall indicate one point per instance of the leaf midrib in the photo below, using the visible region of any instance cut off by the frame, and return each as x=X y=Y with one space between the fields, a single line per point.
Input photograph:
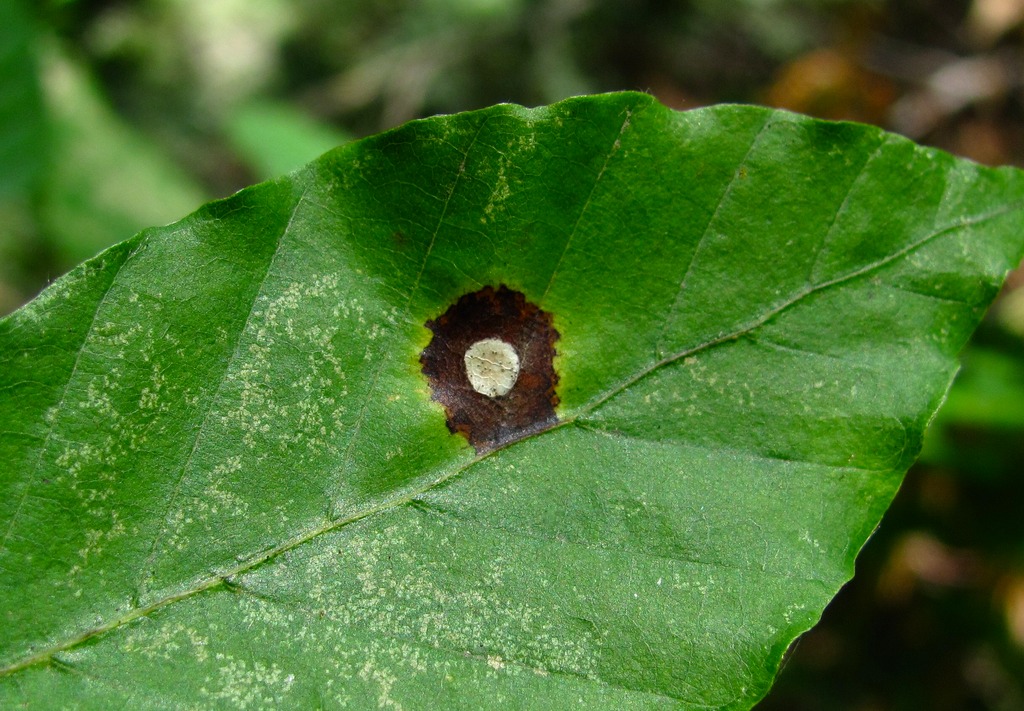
x=408 y=495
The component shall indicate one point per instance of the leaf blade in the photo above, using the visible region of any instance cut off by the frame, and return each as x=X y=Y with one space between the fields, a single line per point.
x=722 y=409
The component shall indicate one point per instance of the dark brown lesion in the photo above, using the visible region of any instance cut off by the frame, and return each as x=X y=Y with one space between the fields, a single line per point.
x=529 y=407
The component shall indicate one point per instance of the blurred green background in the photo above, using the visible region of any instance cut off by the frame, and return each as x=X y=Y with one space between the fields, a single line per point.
x=120 y=114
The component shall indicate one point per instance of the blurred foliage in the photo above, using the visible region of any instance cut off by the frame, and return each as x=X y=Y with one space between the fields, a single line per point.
x=22 y=118
x=274 y=138
x=110 y=180
x=117 y=114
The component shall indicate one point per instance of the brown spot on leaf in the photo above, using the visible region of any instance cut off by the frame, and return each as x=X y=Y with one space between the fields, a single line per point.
x=490 y=421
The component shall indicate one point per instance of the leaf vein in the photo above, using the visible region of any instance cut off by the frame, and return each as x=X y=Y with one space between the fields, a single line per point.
x=592 y=426
x=586 y=203
x=147 y=571
x=674 y=308
x=798 y=297
x=361 y=417
x=823 y=246
x=63 y=397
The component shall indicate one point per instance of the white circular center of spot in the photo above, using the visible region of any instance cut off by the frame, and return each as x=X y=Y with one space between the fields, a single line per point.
x=492 y=367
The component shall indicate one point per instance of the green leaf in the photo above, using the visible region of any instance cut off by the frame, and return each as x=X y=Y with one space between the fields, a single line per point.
x=226 y=482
